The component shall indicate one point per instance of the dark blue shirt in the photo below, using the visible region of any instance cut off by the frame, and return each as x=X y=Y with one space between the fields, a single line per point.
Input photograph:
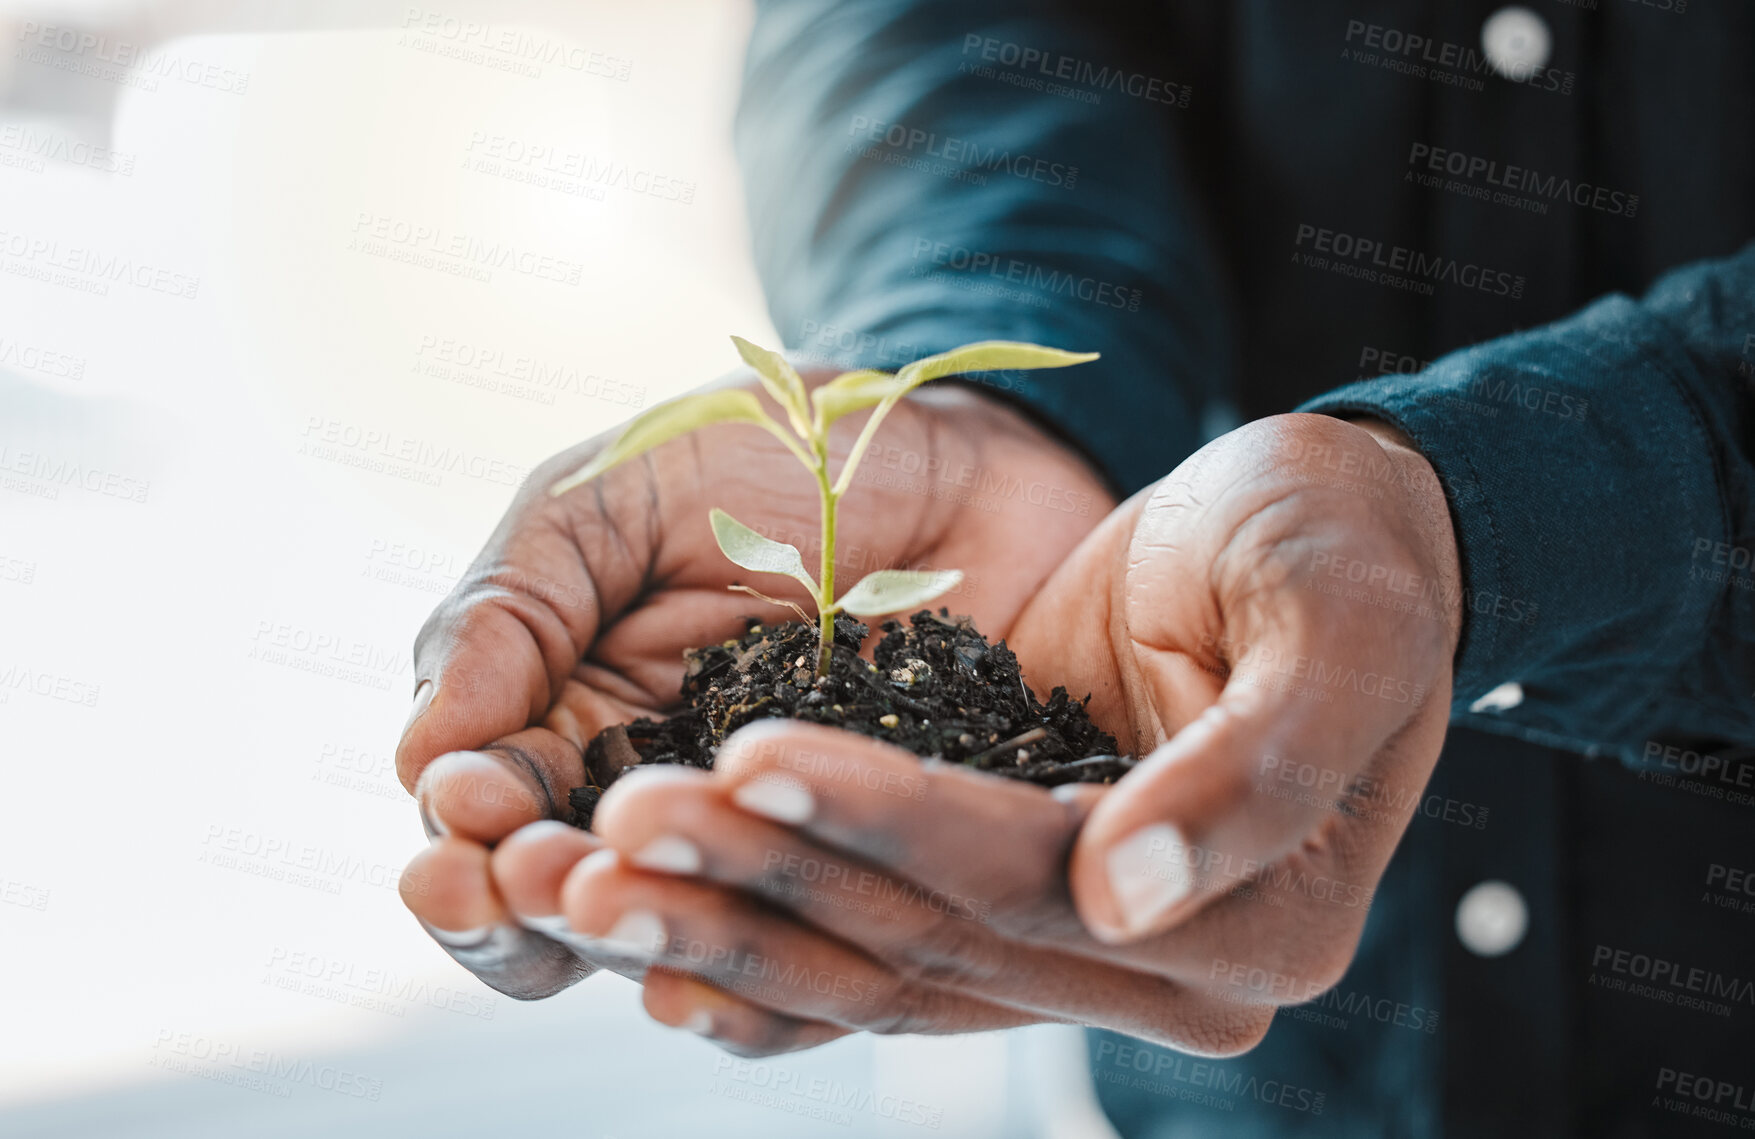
x=1539 y=269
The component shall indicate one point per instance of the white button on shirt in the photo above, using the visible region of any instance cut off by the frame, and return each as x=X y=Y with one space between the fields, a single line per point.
x=1516 y=42
x=1507 y=696
x=1491 y=919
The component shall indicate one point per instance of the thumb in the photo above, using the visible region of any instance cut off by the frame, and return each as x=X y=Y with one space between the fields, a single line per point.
x=487 y=664
x=1208 y=810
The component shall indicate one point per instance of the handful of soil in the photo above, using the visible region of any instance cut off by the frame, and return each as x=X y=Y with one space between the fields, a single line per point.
x=936 y=688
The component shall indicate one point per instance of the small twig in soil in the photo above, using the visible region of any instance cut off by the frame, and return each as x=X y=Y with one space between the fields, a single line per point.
x=982 y=759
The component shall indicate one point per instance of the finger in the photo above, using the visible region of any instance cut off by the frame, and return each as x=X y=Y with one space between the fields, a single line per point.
x=448 y=888
x=1289 y=935
x=530 y=865
x=488 y=663
x=495 y=654
x=884 y=806
x=761 y=956
x=487 y=794
x=741 y=1028
x=684 y=823
x=1309 y=683
x=529 y=870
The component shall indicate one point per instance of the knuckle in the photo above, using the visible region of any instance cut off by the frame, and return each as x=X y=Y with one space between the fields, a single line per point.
x=952 y=952
x=910 y=1009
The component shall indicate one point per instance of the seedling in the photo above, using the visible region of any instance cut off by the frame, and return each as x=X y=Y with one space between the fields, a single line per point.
x=809 y=417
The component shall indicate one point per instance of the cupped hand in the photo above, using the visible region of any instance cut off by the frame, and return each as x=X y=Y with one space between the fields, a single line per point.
x=1271 y=627
x=577 y=613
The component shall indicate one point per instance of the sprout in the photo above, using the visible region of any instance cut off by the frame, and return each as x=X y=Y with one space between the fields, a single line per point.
x=809 y=416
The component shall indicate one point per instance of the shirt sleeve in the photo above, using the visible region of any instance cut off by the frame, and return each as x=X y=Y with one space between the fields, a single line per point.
x=915 y=183
x=1599 y=475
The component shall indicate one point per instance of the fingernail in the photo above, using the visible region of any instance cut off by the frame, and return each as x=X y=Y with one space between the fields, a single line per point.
x=549 y=925
x=700 y=1022
x=460 y=938
x=782 y=800
x=423 y=696
x=1148 y=874
x=669 y=854
x=555 y=928
x=434 y=827
x=637 y=933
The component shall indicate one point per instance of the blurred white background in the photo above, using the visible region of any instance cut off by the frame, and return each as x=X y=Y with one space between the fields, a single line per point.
x=260 y=401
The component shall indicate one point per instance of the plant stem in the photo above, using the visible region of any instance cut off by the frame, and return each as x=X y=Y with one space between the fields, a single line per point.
x=826 y=576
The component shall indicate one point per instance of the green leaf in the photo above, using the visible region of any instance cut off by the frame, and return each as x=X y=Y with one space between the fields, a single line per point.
x=850 y=392
x=781 y=380
x=989 y=356
x=889 y=591
x=754 y=552
x=982 y=356
x=665 y=422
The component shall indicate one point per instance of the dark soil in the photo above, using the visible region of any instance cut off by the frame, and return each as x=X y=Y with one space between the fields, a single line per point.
x=937 y=688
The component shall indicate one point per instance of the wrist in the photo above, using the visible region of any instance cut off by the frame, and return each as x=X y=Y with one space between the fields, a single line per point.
x=1429 y=515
